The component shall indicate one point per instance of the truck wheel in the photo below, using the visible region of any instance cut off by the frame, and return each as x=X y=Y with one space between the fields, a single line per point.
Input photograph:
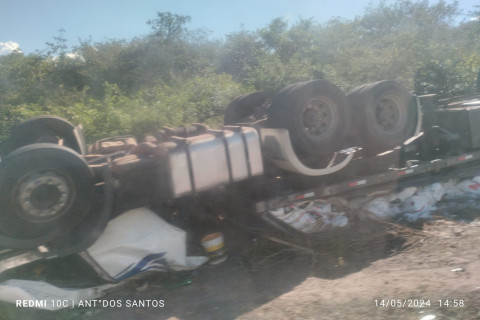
x=42 y=129
x=316 y=115
x=45 y=190
x=244 y=106
x=384 y=115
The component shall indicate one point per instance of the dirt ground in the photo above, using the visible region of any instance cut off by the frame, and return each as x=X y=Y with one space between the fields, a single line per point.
x=427 y=271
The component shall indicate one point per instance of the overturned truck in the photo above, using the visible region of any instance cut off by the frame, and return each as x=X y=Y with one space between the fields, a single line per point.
x=305 y=145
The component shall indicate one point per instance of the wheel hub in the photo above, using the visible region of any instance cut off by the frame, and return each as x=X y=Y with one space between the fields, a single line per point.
x=44 y=196
x=317 y=118
x=388 y=113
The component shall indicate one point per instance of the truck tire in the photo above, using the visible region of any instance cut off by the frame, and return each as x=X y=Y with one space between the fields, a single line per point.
x=243 y=107
x=41 y=129
x=384 y=114
x=316 y=115
x=45 y=190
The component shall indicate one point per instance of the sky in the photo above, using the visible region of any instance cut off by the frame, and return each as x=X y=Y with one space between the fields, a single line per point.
x=28 y=24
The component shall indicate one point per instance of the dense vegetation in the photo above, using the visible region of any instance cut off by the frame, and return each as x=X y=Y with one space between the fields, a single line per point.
x=175 y=75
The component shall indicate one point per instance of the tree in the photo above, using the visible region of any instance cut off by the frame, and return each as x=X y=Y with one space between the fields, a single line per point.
x=168 y=26
x=59 y=46
x=240 y=54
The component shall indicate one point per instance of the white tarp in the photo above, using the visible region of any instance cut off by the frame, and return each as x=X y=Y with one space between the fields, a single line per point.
x=138 y=241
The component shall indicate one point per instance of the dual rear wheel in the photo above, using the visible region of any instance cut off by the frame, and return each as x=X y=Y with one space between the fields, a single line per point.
x=321 y=119
x=384 y=115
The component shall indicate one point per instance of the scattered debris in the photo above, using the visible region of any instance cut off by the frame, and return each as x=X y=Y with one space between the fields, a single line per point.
x=311 y=216
x=410 y=204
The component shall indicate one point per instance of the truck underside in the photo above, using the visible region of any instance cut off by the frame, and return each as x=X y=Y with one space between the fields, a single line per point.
x=304 y=150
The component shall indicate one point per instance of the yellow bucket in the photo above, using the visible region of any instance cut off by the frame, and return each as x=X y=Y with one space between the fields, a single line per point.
x=214 y=247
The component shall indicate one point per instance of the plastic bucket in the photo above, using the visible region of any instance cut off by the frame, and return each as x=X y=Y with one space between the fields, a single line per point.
x=214 y=247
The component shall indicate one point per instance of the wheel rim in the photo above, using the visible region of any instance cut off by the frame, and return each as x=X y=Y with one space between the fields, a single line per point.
x=44 y=195
x=318 y=117
x=389 y=114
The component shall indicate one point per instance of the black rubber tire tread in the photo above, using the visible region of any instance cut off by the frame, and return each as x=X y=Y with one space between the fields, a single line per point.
x=33 y=129
x=287 y=110
x=244 y=106
x=93 y=225
x=362 y=102
x=37 y=157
